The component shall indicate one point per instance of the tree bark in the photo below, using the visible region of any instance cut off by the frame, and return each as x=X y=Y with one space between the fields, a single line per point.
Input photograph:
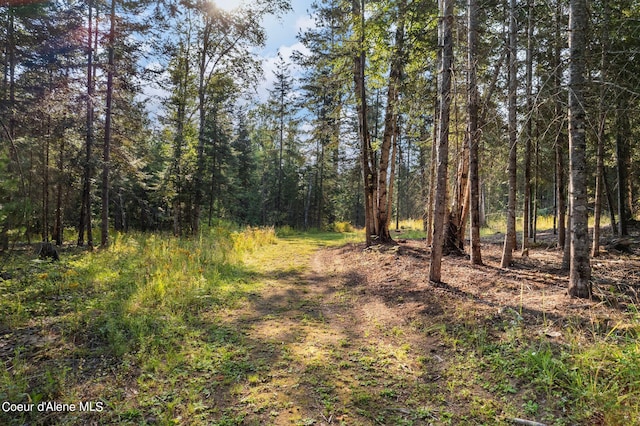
x=622 y=159
x=561 y=212
x=433 y=165
x=610 y=202
x=85 y=207
x=442 y=148
x=202 y=120
x=526 y=221
x=473 y=132
x=363 y=128
x=390 y=124
x=59 y=232
x=45 y=185
x=392 y=178
x=595 y=247
x=106 y=149
x=510 y=236
x=580 y=268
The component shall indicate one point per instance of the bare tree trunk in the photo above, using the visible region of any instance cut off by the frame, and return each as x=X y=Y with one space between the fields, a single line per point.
x=622 y=159
x=202 y=119
x=510 y=236
x=455 y=227
x=559 y=144
x=580 y=269
x=442 y=148
x=59 y=237
x=473 y=133
x=397 y=153
x=390 y=124
x=363 y=128
x=595 y=247
x=610 y=203
x=85 y=207
x=526 y=222
x=45 y=185
x=430 y=208
x=536 y=186
x=106 y=150
x=432 y=170
x=392 y=177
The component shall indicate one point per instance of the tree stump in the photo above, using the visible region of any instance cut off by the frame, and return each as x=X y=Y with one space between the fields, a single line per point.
x=47 y=250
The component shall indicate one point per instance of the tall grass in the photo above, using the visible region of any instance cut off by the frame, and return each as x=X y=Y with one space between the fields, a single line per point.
x=139 y=308
x=497 y=223
x=138 y=286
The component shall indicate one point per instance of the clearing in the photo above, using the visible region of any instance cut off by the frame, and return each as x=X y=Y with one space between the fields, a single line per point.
x=316 y=330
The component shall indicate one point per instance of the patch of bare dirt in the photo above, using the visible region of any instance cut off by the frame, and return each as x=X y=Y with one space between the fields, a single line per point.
x=392 y=284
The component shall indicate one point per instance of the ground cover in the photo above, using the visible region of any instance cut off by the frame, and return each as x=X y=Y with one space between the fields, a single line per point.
x=246 y=328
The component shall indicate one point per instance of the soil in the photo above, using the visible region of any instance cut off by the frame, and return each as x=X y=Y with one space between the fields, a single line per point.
x=395 y=280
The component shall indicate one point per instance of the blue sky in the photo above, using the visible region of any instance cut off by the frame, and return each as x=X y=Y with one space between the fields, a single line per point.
x=281 y=37
x=282 y=32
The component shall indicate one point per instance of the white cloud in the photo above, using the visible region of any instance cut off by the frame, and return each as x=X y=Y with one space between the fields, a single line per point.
x=269 y=65
x=304 y=22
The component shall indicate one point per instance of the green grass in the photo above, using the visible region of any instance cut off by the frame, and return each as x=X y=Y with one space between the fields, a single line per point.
x=140 y=314
x=570 y=383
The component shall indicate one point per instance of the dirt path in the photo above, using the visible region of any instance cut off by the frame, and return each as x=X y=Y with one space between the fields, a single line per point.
x=330 y=353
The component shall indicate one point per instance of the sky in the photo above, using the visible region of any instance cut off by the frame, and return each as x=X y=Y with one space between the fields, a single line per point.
x=281 y=37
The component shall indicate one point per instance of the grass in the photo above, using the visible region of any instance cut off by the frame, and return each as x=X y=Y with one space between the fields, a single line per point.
x=224 y=330
x=139 y=314
x=413 y=228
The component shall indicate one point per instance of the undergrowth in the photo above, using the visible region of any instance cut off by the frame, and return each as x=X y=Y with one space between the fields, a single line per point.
x=137 y=307
x=575 y=382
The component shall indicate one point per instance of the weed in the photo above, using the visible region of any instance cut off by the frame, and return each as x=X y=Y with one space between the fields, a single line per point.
x=342 y=227
x=530 y=408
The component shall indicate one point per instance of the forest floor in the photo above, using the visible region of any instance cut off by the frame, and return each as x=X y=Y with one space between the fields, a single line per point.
x=321 y=331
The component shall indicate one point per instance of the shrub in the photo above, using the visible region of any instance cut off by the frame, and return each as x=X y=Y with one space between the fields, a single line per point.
x=342 y=227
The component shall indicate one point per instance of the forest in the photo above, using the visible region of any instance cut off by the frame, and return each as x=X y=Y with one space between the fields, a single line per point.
x=144 y=117
x=429 y=218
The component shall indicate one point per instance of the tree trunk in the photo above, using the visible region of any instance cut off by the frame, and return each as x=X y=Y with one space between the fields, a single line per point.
x=85 y=207
x=106 y=149
x=424 y=177
x=183 y=70
x=595 y=247
x=610 y=202
x=510 y=236
x=59 y=237
x=363 y=128
x=455 y=227
x=202 y=120
x=390 y=123
x=433 y=166
x=580 y=268
x=473 y=133
x=526 y=221
x=392 y=178
x=442 y=148
x=622 y=159
x=45 y=184
x=559 y=144
x=536 y=186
